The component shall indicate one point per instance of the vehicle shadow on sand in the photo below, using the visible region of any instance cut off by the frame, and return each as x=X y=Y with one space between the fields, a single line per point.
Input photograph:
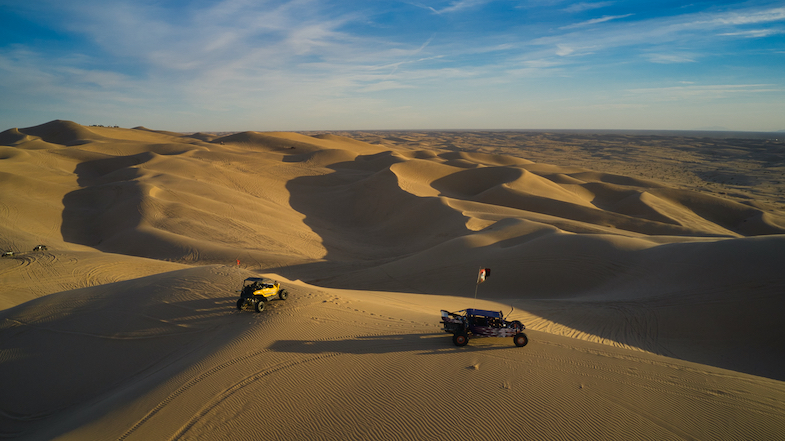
x=422 y=344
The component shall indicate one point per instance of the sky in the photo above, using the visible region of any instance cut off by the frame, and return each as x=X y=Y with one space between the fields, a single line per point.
x=302 y=65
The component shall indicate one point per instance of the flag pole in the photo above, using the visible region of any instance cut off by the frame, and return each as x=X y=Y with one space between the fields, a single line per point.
x=476 y=285
x=481 y=276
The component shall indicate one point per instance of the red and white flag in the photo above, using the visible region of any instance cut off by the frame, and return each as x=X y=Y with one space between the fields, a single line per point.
x=484 y=274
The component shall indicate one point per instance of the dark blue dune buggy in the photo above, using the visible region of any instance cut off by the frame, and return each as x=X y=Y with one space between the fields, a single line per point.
x=480 y=323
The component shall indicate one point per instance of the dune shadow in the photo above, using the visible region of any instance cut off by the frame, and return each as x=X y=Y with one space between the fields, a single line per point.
x=684 y=330
x=107 y=202
x=364 y=217
x=421 y=344
x=110 y=343
x=376 y=344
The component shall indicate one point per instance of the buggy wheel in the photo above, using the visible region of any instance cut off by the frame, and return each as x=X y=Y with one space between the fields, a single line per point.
x=517 y=324
x=520 y=339
x=240 y=304
x=460 y=339
x=260 y=305
x=283 y=294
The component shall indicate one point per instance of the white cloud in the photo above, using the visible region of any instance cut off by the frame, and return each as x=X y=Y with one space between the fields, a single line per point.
x=670 y=58
x=595 y=21
x=755 y=33
x=585 y=6
x=690 y=92
x=384 y=85
x=697 y=31
x=611 y=106
x=750 y=17
x=458 y=5
x=563 y=50
x=274 y=59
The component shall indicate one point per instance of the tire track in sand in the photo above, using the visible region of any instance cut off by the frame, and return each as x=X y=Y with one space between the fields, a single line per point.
x=227 y=393
x=204 y=375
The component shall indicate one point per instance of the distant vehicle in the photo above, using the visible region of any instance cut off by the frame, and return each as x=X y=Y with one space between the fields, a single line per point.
x=470 y=323
x=8 y=254
x=257 y=291
x=40 y=248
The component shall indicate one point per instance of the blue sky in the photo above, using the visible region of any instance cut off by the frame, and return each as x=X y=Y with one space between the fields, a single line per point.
x=343 y=65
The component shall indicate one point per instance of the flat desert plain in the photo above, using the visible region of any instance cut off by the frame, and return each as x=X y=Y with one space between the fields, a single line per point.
x=649 y=271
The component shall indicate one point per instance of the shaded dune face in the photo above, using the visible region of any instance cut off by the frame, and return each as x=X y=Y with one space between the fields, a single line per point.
x=108 y=201
x=374 y=197
x=362 y=201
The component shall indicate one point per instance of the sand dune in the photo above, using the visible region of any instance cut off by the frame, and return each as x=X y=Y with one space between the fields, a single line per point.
x=652 y=307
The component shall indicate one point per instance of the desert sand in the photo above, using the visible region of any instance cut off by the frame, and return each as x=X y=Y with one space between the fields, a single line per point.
x=648 y=271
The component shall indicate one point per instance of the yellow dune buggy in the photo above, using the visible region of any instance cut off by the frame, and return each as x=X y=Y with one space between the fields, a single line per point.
x=257 y=291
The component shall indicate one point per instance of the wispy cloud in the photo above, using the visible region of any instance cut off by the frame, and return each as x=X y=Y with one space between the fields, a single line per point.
x=281 y=59
x=455 y=6
x=610 y=106
x=384 y=85
x=716 y=91
x=595 y=21
x=750 y=17
x=670 y=58
x=586 y=6
x=234 y=55
x=695 y=30
x=563 y=50
x=755 y=33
